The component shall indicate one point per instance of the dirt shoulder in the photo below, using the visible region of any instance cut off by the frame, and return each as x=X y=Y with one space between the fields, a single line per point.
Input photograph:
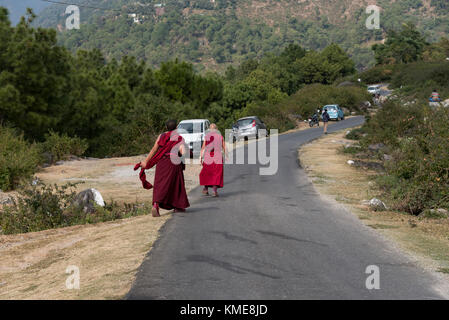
x=33 y=265
x=426 y=240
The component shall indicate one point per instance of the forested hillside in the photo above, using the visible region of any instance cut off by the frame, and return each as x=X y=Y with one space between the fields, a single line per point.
x=215 y=33
x=119 y=107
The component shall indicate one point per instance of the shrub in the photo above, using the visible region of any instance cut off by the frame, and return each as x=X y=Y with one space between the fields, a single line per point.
x=432 y=214
x=419 y=79
x=18 y=159
x=41 y=207
x=60 y=147
x=355 y=134
x=274 y=118
x=38 y=207
x=417 y=177
x=378 y=74
x=351 y=149
x=393 y=122
x=308 y=99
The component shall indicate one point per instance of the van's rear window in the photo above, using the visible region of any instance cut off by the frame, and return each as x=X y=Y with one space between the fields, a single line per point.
x=191 y=127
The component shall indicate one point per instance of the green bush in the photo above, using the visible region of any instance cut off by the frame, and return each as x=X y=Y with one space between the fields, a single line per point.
x=274 y=118
x=60 y=147
x=432 y=214
x=41 y=207
x=415 y=74
x=351 y=149
x=355 y=134
x=393 y=122
x=419 y=79
x=18 y=159
x=378 y=74
x=417 y=177
x=309 y=98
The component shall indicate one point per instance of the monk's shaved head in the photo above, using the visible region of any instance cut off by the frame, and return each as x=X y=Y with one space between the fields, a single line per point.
x=171 y=124
x=213 y=126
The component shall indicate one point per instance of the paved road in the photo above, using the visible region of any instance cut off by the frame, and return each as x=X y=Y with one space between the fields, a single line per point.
x=273 y=237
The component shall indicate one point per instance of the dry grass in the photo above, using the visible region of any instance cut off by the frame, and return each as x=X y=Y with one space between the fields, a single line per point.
x=114 y=177
x=108 y=254
x=426 y=239
x=33 y=265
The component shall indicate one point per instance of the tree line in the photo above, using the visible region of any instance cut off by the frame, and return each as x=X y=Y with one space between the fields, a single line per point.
x=119 y=107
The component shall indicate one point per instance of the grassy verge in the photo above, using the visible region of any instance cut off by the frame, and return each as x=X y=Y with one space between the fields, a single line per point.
x=33 y=265
x=425 y=238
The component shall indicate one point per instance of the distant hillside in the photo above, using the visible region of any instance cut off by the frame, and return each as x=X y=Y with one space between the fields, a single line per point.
x=215 y=33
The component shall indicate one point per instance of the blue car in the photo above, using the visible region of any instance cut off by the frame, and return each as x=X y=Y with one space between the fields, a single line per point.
x=334 y=111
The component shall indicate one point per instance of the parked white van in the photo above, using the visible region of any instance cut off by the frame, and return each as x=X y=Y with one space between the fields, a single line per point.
x=193 y=132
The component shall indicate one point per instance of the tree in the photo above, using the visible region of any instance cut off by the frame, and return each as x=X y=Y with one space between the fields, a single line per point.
x=34 y=77
x=401 y=47
x=340 y=59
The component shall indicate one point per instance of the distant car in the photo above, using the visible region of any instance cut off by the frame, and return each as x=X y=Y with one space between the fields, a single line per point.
x=193 y=132
x=374 y=89
x=334 y=111
x=246 y=128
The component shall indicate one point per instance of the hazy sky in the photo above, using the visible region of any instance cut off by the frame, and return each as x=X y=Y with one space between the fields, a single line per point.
x=17 y=8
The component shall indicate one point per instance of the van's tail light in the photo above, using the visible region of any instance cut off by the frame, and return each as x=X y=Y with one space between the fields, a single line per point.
x=254 y=123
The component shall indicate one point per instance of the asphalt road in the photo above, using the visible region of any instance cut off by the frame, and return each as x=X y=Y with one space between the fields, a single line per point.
x=274 y=237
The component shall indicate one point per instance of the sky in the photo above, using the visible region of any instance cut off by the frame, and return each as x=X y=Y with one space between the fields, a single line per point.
x=17 y=8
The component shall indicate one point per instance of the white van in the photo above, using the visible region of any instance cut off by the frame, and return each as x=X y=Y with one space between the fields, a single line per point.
x=193 y=132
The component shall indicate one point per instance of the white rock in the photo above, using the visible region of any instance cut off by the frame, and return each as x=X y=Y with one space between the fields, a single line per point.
x=377 y=205
x=350 y=162
x=6 y=201
x=97 y=197
x=87 y=198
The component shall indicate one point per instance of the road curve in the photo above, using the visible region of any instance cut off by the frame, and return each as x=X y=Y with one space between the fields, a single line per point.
x=274 y=237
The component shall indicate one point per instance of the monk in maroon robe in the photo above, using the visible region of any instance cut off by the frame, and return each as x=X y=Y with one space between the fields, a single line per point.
x=169 y=188
x=211 y=157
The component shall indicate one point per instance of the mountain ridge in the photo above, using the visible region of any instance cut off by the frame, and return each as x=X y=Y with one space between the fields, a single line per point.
x=215 y=33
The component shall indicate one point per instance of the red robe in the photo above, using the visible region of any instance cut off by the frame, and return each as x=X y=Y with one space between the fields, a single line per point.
x=212 y=171
x=169 y=186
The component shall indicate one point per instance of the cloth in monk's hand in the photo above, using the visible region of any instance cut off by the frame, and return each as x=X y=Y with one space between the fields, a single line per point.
x=212 y=172
x=166 y=143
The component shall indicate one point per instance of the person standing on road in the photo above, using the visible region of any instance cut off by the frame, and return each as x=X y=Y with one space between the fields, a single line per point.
x=211 y=158
x=325 y=119
x=169 y=186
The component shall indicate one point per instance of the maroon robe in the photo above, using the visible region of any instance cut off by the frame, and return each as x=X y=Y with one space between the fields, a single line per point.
x=169 y=187
x=212 y=172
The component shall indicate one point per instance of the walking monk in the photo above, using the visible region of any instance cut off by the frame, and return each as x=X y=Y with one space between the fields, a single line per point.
x=169 y=189
x=211 y=157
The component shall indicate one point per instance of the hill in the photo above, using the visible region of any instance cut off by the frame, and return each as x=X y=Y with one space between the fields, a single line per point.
x=215 y=33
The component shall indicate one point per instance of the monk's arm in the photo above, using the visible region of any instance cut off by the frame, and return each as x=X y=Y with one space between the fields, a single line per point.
x=151 y=154
x=182 y=148
x=225 y=151
x=202 y=150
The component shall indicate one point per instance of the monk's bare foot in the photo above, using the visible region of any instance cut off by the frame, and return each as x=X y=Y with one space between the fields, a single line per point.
x=215 y=194
x=205 y=192
x=155 y=212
